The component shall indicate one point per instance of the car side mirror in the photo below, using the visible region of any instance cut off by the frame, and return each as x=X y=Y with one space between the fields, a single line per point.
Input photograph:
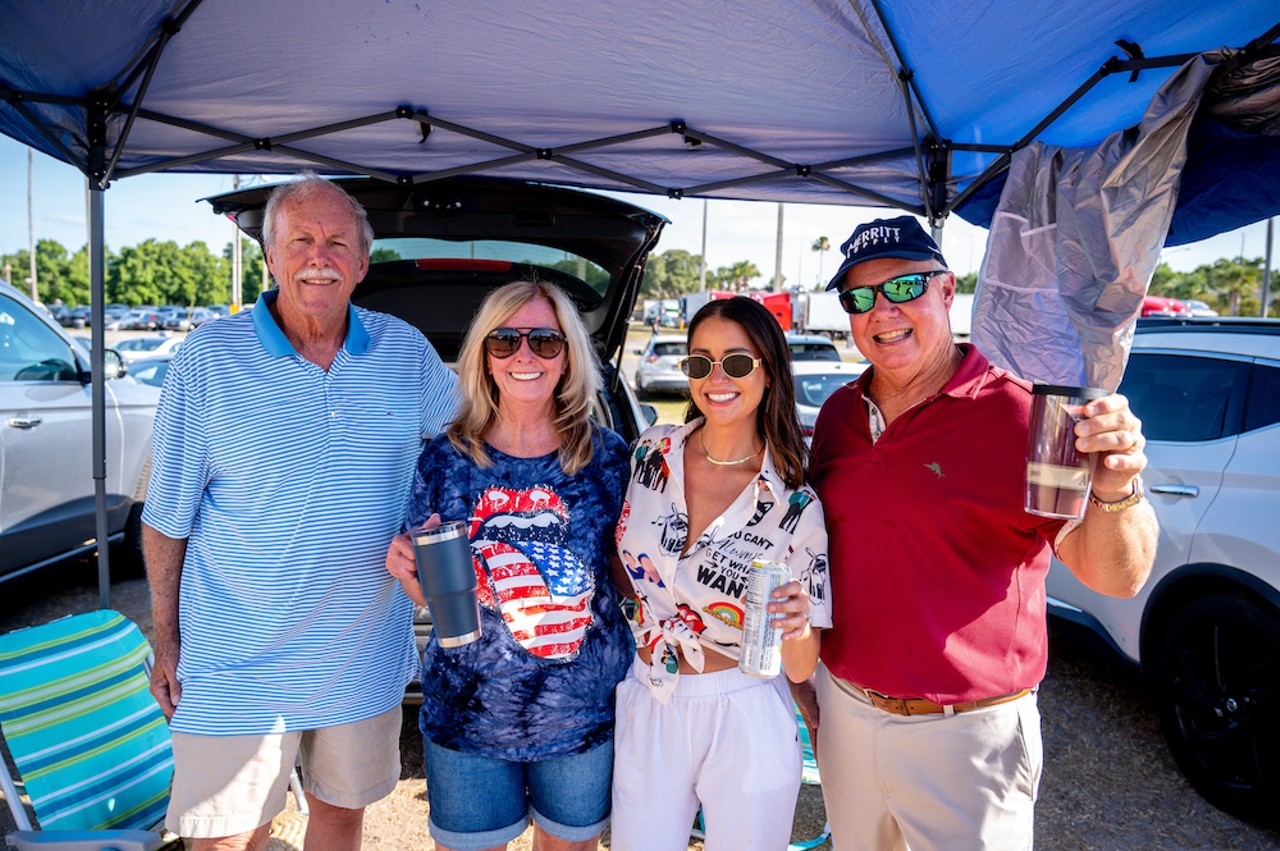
x=650 y=413
x=113 y=365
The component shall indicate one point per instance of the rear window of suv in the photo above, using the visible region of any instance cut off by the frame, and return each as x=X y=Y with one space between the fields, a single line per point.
x=423 y=248
x=668 y=349
x=1264 y=398
x=1186 y=398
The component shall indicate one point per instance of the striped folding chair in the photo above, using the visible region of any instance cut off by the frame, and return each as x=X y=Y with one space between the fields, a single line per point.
x=90 y=745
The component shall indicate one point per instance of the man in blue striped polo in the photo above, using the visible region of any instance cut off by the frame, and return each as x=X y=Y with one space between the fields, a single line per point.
x=283 y=455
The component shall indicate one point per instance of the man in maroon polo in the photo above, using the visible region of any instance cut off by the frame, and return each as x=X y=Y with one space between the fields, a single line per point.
x=930 y=735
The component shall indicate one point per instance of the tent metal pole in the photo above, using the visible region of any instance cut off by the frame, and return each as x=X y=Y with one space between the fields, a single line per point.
x=97 y=300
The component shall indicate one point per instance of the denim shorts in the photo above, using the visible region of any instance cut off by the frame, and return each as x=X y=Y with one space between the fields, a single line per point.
x=478 y=802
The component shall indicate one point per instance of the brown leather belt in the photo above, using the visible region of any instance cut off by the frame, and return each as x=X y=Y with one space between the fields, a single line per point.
x=919 y=706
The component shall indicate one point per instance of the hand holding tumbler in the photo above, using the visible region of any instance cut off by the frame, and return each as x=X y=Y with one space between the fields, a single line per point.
x=448 y=581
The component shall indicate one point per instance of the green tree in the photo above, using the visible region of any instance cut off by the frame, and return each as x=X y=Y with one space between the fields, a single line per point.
x=671 y=273
x=737 y=277
x=821 y=245
x=59 y=276
x=384 y=255
x=967 y=283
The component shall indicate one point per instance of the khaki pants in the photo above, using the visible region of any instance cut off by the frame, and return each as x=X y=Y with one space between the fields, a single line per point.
x=919 y=782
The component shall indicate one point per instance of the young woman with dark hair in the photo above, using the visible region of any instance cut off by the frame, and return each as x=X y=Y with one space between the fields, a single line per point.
x=705 y=500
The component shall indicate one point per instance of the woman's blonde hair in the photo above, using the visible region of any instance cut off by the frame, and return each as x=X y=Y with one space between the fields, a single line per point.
x=579 y=384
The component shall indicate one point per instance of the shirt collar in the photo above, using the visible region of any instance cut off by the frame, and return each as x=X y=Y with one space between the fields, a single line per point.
x=278 y=345
x=969 y=378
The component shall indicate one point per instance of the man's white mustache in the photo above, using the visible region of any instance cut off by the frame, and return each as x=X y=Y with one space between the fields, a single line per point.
x=327 y=272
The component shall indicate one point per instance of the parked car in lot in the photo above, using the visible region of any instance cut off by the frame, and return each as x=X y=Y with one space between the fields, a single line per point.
x=1205 y=629
x=186 y=319
x=659 y=367
x=457 y=239
x=1199 y=308
x=815 y=381
x=46 y=446
x=807 y=347
x=145 y=347
x=151 y=370
x=1158 y=305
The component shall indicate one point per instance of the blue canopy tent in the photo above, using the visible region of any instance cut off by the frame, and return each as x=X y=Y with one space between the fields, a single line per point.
x=915 y=105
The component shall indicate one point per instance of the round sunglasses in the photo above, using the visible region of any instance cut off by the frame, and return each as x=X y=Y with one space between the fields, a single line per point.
x=899 y=290
x=735 y=365
x=504 y=342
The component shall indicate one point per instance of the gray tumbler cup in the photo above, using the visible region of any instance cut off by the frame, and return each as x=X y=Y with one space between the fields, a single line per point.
x=448 y=581
x=1058 y=476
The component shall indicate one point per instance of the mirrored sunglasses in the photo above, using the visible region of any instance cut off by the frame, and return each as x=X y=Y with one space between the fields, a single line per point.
x=505 y=342
x=736 y=365
x=899 y=290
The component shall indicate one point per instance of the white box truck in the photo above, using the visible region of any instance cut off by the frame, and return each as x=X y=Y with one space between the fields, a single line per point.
x=821 y=313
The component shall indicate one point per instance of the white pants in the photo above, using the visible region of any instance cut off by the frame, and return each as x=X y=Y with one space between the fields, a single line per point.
x=966 y=780
x=725 y=740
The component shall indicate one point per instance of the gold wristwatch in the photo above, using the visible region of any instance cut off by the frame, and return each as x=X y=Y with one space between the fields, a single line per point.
x=1128 y=502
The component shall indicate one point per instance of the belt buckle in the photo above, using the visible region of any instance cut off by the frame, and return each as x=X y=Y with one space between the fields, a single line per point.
x=895 y=705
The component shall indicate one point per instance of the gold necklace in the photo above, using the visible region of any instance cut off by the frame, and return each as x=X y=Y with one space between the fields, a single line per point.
x=705 y=454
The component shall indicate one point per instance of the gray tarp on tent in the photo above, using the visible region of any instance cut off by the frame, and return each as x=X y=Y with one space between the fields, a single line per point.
x=1075 y=240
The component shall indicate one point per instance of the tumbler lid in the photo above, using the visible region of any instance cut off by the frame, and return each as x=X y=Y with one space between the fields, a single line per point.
x=444 y=532
x=1089 y=393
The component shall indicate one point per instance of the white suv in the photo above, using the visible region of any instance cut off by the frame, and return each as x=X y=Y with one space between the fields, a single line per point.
x=1206 y=627
x=46 y=443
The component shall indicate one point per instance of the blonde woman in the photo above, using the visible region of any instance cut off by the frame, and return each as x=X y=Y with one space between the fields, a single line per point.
x=518 y=725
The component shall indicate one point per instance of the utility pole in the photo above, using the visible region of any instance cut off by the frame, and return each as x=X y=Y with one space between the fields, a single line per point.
x=702 y=264
x=31 y=224
x=1266 y=267
x=237 y=260
x=777 y=264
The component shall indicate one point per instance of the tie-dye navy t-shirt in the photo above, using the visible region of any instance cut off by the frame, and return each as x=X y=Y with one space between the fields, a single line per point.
x=539 y=681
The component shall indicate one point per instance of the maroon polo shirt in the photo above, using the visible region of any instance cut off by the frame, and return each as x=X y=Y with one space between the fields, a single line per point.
x=937 y=572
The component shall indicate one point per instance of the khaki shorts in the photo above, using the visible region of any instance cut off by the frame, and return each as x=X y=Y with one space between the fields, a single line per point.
x=227 y=785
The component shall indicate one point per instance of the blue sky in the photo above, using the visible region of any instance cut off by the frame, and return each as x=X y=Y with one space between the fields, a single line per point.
x=165 y=207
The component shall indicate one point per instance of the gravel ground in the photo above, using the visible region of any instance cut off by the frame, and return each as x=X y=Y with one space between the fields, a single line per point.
x=1109 y=782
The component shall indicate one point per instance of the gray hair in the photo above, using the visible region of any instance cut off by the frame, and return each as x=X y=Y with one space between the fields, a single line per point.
x=309 y=183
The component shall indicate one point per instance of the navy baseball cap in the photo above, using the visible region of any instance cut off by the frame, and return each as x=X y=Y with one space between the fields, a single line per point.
x=902 y=238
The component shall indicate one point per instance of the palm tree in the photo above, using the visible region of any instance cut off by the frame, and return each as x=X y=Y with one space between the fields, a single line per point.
x=821 y=245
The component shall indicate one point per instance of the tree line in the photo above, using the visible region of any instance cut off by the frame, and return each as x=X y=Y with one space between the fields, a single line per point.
x=1233 y=287
x=154 y=272
x=150 y=272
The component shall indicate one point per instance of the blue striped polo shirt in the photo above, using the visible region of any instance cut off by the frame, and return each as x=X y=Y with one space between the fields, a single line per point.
x=288 y=483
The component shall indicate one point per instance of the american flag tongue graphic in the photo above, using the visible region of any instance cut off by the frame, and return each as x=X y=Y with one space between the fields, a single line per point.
x=543 y=592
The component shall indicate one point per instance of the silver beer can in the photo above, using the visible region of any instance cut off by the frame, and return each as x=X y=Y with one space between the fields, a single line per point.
x=762 y=644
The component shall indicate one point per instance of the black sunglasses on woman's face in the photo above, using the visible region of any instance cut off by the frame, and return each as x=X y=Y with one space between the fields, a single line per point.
x=546 y=343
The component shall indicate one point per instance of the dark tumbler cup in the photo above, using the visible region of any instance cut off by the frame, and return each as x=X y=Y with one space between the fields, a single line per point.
x=448 y=581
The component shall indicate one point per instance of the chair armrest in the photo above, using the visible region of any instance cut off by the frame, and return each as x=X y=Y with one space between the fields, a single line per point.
x=84 y=840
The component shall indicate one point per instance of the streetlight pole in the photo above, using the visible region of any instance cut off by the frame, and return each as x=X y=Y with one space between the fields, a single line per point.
x=237 y=260
x=1266 y=267
x=31 y=223
x=777 y=266
x=702 y=265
